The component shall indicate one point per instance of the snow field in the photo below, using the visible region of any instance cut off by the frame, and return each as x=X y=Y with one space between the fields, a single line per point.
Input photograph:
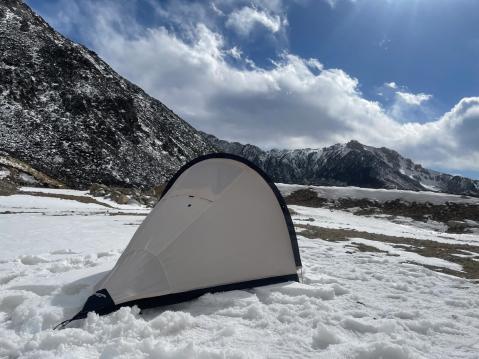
x=332 y=218
x=408 y=256
x=351 y=304
x=380 y=195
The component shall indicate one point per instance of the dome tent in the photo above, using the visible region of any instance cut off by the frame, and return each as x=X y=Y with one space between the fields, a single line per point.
x=221 y=224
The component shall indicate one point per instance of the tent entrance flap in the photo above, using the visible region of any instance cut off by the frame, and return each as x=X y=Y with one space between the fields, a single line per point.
x=221 y=224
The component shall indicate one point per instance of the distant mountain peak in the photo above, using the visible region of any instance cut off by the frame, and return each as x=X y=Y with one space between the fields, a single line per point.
x=354 y=145
x=350 y=164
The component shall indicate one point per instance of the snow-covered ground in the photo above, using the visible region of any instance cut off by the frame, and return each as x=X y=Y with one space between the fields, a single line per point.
x=351 y=304
x=380 y=195
x=332 y=218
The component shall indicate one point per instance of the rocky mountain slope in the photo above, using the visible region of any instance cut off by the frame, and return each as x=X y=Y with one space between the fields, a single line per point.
x=351 y=164
x=67 y=114
x=66 y=118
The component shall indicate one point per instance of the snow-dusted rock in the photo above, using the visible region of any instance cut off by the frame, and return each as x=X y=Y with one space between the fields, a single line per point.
x=66 y=113
x=350 y=164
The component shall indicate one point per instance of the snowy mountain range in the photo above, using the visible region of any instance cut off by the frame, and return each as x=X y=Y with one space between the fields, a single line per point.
x=67 y=114
x=350 y=164
x=67 y=118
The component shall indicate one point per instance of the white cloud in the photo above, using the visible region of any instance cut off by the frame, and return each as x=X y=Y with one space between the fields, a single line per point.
x=405 y=97
x=451 y=141
x=216 y=10
x=405 y=106
x=244 y=20
x=296 y=103
x=235 y=53
x=413 y=99
x=391 y=85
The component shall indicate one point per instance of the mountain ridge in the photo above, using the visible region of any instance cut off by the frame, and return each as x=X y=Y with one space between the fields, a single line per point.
x=350 y=164
x=69 y=117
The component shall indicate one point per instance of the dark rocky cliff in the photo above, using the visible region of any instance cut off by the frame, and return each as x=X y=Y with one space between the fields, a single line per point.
x=66 y=113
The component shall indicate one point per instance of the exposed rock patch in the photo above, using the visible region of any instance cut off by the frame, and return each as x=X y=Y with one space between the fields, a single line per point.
x=129 y=196
x=448 y=251
x=458 y=217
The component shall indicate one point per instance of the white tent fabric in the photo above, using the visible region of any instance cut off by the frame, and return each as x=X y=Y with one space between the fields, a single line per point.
x=219 y=223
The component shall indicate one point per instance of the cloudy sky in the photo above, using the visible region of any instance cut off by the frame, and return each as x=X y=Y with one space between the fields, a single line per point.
x=301 y=73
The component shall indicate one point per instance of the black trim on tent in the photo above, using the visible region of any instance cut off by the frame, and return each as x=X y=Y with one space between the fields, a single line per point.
x=192 y=294
x=101 y=302
x=277 y=193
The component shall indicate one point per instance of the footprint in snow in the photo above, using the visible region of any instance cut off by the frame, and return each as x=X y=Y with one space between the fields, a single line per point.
x=32 y=260
x=357 y=326
x=456 y=303
x=324 y=337
x=407 y=315
x=105 y=254
x=8 y=278
x=63 y=251
x=10 y=302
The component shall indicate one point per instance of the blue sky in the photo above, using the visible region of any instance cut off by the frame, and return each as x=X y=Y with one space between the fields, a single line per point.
x=402 y=74
x=429 y=46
